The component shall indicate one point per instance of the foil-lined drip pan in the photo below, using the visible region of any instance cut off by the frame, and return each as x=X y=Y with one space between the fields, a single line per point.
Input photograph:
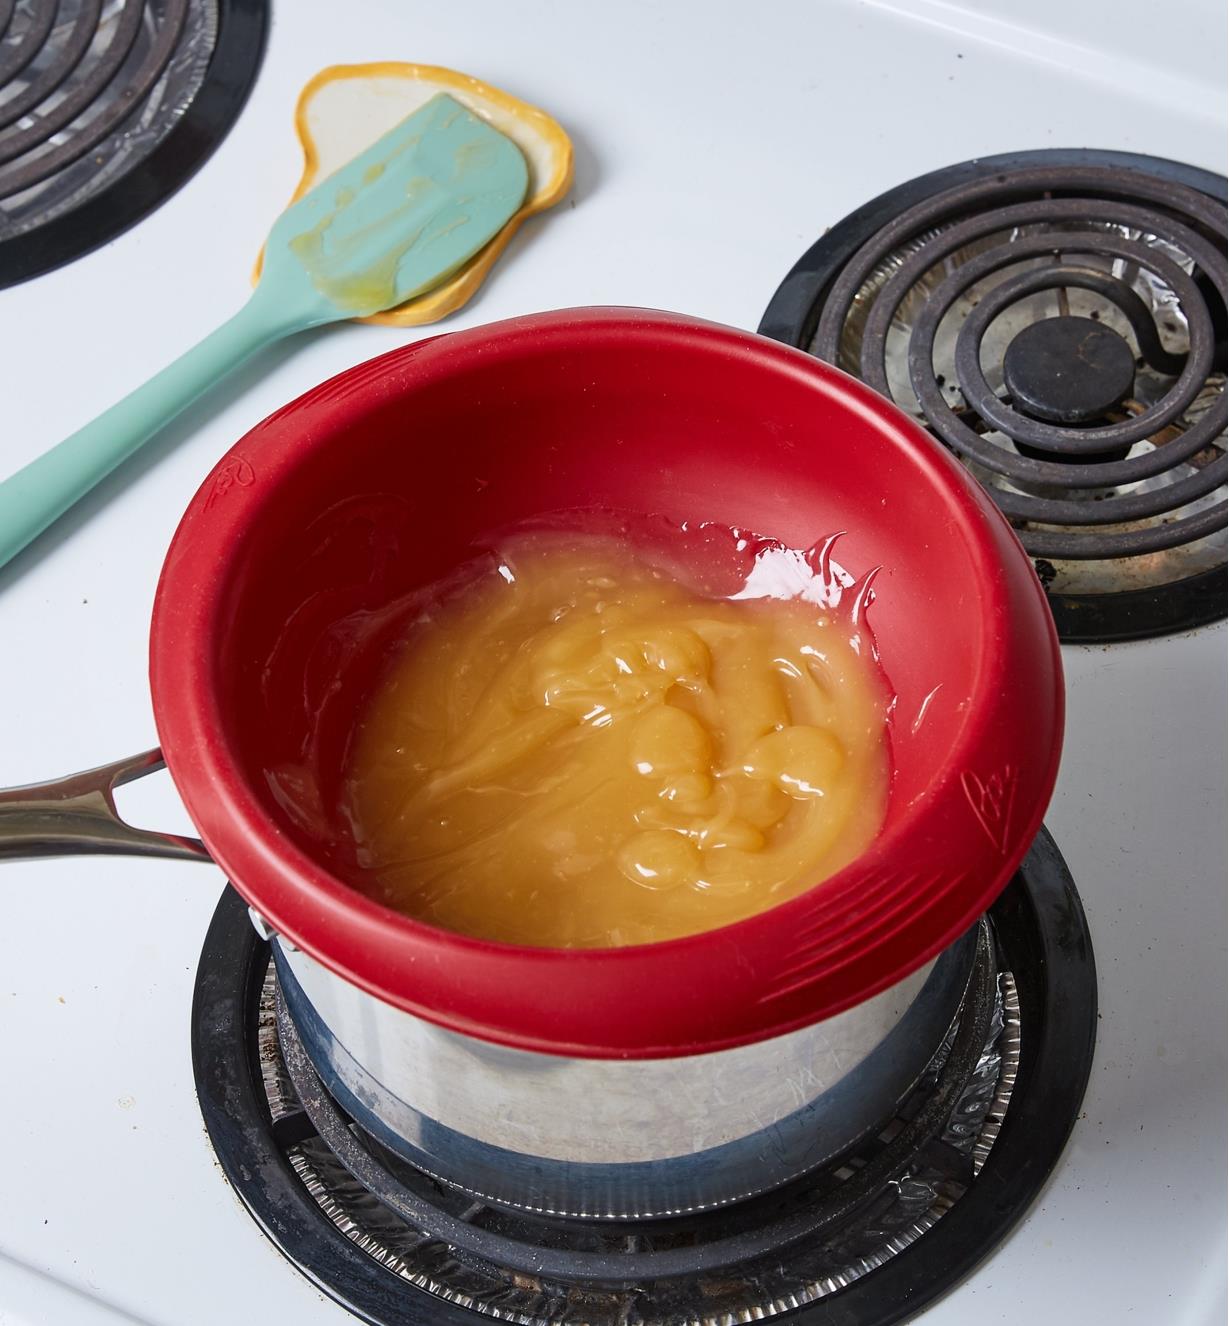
x=887 y=1220
x=873 y=1236
x=167 y=46
x=106 y=108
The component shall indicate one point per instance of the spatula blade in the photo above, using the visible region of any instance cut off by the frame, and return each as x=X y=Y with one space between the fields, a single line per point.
x=399 y=218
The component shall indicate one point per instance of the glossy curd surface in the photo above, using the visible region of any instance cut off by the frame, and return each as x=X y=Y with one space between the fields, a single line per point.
x=573 y=746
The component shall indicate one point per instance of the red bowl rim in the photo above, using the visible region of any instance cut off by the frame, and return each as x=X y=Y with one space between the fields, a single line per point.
x=861 y=931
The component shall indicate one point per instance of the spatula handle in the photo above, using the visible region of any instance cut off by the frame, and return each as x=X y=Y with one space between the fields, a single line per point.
x=41 y=492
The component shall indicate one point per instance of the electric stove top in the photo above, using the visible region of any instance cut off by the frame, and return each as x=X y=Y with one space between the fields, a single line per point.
x=715 y=145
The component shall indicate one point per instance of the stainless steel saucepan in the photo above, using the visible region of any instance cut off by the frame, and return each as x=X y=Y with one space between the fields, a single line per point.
x=626 y=1081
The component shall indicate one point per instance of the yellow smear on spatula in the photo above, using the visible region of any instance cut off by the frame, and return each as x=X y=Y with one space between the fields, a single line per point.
x=346 y=107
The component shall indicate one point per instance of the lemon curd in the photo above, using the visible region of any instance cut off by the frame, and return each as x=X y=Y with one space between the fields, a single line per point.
x=575 y=748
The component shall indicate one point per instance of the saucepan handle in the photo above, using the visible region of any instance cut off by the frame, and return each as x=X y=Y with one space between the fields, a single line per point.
x=77 y=815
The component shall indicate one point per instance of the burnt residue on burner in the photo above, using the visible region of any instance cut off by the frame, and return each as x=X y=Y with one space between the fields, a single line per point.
x=1057 y=319
x=991 y=262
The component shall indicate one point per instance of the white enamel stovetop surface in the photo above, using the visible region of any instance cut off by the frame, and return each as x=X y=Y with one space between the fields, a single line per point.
x=714 y=142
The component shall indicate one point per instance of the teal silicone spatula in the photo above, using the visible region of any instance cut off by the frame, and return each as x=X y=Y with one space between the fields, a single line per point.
x=392 y=223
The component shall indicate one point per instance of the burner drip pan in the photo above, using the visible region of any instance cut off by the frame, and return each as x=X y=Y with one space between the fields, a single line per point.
x=870 y=1237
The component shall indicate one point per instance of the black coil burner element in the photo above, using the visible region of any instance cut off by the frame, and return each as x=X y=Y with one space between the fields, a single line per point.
x=868 y=1240
x=106 y=109
x=1058 y=320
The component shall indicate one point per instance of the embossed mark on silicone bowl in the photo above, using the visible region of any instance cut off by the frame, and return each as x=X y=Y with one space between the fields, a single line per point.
x=991 y=800
x=234 y=473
